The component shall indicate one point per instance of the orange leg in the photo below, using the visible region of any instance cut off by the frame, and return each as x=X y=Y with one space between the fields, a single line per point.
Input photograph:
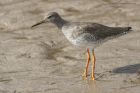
x=88 y=60
x=93 y=65
x=87 y=64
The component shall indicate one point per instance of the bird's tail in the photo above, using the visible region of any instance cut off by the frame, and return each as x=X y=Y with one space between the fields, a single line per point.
x=122 y=30
x=119 y=31
x=129 y=29
x=126 y=30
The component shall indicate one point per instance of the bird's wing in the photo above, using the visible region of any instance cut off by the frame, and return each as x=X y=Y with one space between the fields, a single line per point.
x=100 y=31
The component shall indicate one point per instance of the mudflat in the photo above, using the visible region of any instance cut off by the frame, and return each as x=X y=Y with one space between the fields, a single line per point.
x=41 y=59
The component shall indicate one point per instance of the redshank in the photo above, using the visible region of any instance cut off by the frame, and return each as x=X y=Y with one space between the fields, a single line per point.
x=85 y=34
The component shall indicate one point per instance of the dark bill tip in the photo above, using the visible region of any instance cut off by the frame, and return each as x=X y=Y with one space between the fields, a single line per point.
x=41 y=22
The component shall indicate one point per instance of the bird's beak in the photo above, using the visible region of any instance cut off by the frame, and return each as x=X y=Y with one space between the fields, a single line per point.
x=41 y=22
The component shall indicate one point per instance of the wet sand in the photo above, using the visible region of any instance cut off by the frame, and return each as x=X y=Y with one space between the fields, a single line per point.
x=41 y=60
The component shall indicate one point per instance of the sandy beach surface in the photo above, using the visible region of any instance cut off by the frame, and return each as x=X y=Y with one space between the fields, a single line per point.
x=41 y=60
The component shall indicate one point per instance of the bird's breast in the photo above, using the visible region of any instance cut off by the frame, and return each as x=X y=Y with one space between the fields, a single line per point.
x=77 y=36
x=69 y=34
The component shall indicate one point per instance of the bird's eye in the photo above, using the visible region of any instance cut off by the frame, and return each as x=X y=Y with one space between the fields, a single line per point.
x=49 y=17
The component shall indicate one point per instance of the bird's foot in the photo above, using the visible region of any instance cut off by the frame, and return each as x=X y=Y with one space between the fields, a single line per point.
x=92 y=78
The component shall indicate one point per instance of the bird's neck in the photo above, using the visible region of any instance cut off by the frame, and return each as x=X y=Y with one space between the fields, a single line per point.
x=59 y=23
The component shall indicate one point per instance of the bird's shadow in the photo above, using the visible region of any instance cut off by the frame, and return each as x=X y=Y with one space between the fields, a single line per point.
x=130 y=69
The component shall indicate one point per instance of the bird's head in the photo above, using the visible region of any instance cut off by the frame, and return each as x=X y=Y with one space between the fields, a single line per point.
x=52 y=17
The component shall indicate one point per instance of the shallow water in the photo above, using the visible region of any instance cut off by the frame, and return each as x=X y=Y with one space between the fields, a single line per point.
x=41 y=60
